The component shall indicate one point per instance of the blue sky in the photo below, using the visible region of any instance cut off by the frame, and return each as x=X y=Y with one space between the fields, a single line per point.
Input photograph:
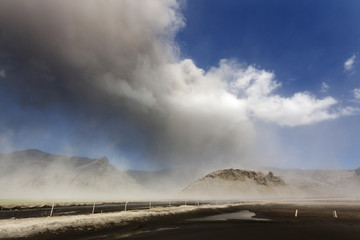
x=57 y=97
x=305 y=43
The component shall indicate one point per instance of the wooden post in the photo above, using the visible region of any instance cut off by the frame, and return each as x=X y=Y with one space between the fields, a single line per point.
x=296 y=213
x=52 y=209
x=93 y=210
x=334 y=214
x=126 y=205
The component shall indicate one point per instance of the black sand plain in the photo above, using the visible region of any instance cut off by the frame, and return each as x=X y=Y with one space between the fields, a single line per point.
x=313 y=222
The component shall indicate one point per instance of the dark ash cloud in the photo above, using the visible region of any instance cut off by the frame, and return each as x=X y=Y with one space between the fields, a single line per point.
x=113 y=68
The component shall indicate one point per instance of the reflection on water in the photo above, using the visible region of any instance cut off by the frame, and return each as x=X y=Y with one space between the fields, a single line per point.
x=241 y=215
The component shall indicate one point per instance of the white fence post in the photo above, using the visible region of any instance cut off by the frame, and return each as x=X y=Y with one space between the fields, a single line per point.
x=52 y=209
x=334 y=214
x=93 y=210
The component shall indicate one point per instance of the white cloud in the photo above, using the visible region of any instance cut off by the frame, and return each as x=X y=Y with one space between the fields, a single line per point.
x=356 y=93
x=237 y=92
x=2 y=73
x=348 y=65
x=254 y=88
x=324 y=87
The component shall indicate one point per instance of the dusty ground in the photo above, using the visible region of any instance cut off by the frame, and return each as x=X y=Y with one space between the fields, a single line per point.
x=314 y=221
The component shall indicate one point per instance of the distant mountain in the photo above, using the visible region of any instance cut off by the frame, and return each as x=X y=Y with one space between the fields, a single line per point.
x=32 y=174
x=243 y=175
x=236 y=183
x=240 y=184
x=36 y=174
x=40 y=159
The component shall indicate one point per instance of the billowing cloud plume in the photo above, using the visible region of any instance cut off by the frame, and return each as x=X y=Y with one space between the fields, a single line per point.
x=114 y=66
x=348 y=65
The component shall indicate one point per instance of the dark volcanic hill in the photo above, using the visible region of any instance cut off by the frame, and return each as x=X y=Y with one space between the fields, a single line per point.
x=243 y=175
x=36 y=174
x=236 y=183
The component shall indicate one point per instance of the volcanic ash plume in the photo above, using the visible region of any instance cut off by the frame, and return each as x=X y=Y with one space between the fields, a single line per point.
x=114 y=67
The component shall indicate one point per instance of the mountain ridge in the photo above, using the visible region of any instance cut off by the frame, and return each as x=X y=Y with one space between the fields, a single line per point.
x=32 y=173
